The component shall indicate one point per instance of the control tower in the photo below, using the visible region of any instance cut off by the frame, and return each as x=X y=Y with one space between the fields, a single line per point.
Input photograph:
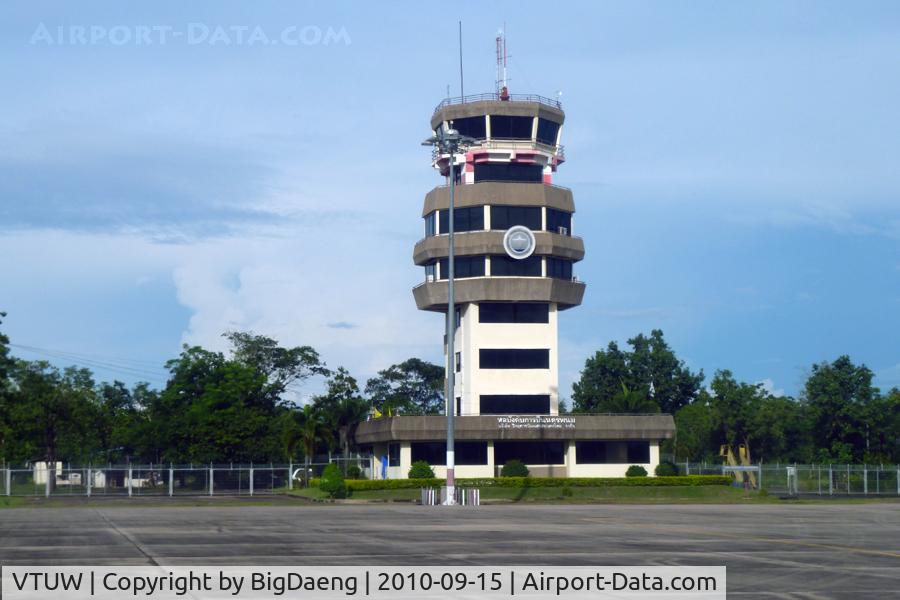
x=515 y=251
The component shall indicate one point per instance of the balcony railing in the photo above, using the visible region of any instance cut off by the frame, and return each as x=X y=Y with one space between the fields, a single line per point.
x=495 y=96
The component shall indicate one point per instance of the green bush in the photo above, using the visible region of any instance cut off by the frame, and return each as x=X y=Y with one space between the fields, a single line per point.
x=666 y=469
x=636 y=471
x=354 y=472
x=514 y=468
x=355 y=485
x=332 y=482
x=421 y=470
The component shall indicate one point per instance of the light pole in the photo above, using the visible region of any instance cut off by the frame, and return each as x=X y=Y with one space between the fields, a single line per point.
x=449 y=141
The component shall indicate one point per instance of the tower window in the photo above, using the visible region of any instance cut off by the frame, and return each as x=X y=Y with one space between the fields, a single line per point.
x=559 y=218
x=547 y=132
x=504 y=217
x=511 y=404
x=513 y=312
x=464 y=266
x=430 y=228
x=559 y=268
x=532 y=358
x=511 y=128
x=521 y=172
x=470 y=218
x=505 y=266
x=471 y=126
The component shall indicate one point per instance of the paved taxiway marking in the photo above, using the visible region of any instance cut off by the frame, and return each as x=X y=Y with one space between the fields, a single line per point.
x=736 y=536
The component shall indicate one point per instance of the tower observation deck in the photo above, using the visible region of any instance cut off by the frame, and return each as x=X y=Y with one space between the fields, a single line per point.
x=515 y=251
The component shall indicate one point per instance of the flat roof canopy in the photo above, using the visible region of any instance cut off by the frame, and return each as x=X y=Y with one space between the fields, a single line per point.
x=517 y=427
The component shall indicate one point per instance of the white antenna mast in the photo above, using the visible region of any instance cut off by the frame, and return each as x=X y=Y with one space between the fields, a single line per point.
x=502 y=81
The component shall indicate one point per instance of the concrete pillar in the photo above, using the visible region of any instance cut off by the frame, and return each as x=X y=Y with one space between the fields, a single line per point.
x=830 y=482
x=251 y=480
x=9 y=483
x=490 y=458
x=130 y=481
x=171 y=481
x=211 y=480
x=570 y=458
x=88 y=474
x=405 y=459
x=290 y=475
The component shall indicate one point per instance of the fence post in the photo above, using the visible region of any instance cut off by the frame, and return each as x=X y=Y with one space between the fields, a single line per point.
x=830 y=482
x=291 y=474
x=848 y=479
x=865 y=480
x=130 y=480
x=210 y=479
x=50 y=473
x=171 y=480
x=88 y=486
x=898 y=481
x=251 y=479
x=819 y=472
x=9 y=482
x=878 y=480
x=759 y=479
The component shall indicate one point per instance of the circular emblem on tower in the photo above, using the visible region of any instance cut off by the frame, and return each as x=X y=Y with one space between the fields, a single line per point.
x=518 y=242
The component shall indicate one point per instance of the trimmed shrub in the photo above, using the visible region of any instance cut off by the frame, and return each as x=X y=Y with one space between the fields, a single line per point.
x=514 y=468
x=332 y=482
x=421 y=470
x=354 y=472
x=666 y=469
x=355 y=485
x=636 y=471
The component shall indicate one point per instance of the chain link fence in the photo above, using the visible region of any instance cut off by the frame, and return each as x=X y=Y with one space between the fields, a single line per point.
x=152 y=480
x=800 y=480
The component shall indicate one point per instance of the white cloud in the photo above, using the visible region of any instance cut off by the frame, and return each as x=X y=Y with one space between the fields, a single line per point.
x=769 y=387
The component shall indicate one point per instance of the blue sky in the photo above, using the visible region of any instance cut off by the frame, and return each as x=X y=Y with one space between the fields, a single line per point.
x=735 y=170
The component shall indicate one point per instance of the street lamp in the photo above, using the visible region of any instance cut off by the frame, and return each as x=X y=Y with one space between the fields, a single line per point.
x=450 y=141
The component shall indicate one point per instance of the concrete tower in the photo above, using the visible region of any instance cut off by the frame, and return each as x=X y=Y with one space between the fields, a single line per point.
x=515 y=251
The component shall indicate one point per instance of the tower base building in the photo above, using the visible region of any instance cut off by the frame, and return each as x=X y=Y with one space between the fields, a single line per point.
x=515 y=255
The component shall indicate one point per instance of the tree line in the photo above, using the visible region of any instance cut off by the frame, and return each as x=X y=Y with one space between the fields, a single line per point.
x=215 y=407
x=838 y=417
x=239 y=406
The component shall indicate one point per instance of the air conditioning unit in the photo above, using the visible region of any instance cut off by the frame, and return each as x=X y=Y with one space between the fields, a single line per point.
x=562 y=230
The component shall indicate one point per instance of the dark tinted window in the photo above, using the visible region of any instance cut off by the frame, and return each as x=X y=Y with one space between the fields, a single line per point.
x=547 y=131
x=435 y=453
x=463 y=266
x=530 y=453
x=471 y=126
x=430 y=228
x=518 y=128
x=557 y=219
x=504 y=217
x=470 y=218
x=430 y=272
x=513 y=312
x=509 y=172
x=514 y=358
x=505 y=266
x=393 y=455
x=594 y=453
x=558 y=268
x=535 y=404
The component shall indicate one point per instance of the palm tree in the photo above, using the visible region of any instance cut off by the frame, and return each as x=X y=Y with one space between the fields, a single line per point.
x=311 y=431
x=632 y=401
